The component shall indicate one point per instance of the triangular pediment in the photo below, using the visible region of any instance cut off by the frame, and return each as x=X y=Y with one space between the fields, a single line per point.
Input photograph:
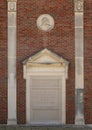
x=45 y=62
x=45 y=57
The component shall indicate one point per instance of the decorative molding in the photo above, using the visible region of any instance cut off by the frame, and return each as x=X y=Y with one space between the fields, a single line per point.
x=79 y=5
x=47 y=60
x=33 y=69
x=11 y=6
x=45 y=22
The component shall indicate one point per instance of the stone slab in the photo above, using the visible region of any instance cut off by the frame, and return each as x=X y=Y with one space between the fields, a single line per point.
x=63 y=127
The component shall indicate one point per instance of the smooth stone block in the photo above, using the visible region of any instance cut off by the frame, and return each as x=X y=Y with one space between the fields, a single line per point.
x=11 y=18
x=79 y=42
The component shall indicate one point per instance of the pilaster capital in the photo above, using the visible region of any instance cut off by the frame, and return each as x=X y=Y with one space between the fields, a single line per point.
x=12 y=6
x=79 y=5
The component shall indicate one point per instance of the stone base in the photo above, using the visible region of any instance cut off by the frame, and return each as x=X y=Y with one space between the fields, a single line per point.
x=79 y=120
x=12 y=122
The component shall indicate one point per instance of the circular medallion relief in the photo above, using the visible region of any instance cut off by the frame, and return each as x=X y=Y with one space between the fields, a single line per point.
x=45 y=22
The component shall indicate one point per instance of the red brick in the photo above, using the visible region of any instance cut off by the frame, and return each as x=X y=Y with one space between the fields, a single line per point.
x=60 y=40
x=31 y=40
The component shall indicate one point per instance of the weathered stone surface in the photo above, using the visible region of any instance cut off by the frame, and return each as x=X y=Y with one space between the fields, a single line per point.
x=66 y=127
x=79 y=5
x=79 y=62
x=79 y=103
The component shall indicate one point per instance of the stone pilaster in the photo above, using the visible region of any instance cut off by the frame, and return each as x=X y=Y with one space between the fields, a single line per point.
x=12 y=119
x=79 y=62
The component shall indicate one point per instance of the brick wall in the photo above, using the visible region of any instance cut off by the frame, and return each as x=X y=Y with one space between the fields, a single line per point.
x=60 y=40
x=31 y=40
x=88 y=61
x=3 y=61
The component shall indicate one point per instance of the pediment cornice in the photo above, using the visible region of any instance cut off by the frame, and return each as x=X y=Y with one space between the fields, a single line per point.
x=45 y=57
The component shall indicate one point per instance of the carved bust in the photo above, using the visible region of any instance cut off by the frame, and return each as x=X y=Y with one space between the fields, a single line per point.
x=45 y=22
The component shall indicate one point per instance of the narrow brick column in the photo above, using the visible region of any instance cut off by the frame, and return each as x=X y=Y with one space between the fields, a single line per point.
x=12 y=62
x=79 y=62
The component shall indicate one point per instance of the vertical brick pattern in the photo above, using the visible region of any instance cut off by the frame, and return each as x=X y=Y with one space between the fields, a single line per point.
x=88 y=61
x=31 y=40
x=3 y=61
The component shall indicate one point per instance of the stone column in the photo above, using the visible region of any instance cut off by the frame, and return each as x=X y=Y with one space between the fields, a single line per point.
x=79 y=62
x=12 y=119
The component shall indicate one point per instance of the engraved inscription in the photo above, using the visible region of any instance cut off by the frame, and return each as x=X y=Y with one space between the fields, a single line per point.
x=12 y=6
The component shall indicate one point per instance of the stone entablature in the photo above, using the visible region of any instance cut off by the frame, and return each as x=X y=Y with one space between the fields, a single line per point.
x=45 y=61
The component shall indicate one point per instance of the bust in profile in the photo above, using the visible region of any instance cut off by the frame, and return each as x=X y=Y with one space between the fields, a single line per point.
x=45 y=22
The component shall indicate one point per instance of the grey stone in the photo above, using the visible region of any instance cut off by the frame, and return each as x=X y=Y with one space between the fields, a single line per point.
x=12 y=19
x=79 y=20
x=66 y=127
x=79 y=103
x=79 y=42
x=79 y=5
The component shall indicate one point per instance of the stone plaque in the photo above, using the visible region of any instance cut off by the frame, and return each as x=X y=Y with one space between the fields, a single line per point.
x=45 y=98
x=45 y=93
x=45 y=22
